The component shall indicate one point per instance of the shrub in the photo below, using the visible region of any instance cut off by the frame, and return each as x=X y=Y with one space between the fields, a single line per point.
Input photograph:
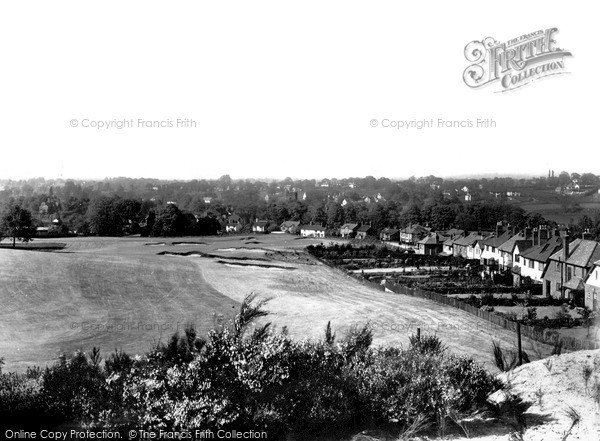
x=427 y=344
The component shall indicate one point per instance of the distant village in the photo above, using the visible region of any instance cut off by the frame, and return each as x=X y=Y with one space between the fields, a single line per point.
x=477 y=219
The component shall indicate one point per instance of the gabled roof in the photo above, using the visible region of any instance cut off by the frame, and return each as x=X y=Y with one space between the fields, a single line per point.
x=455 y=232
x=575 y=283
x=311 y=227
x=432 y=239
x=496 y=241
x=414 y=229
x=509 y=245
x=541 y=253
x=469 y=240
x=349 y=226
x=523 y=245
x=290 y=223
x=390 y=231
x=582 y=253
x=261 y=223
x=365 y=229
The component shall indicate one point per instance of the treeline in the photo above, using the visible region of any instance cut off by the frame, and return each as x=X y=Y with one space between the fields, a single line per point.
x=246 y=376
x=126 y=206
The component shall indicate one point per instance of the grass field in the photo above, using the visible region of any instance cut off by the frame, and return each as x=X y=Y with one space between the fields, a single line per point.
x=553 y=206
x=121 y=293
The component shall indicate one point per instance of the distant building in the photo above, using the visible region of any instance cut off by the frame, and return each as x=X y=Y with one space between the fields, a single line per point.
x=431 y=245
x=291 y=227
x=469 y=247
x=312 y=231
x=348 y=231
x=412 y=234
x=389 y=235
x=364 y=231
x=260 y=226
x=233 y=224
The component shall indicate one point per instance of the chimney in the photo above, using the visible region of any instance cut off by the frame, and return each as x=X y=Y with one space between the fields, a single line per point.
x=535 y=237
x=499 y=228
x=544 y=233
x=586 y=235
x=566 y=246
x=527 y=233
x=556 y=232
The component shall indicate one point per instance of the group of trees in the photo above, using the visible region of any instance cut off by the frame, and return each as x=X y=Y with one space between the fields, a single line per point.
x=123 y=206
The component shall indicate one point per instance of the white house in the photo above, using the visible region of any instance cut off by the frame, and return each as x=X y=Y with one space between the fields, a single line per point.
x=312 y=231
x=592 y=288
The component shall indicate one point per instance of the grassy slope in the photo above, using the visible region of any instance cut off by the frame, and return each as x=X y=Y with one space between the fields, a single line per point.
x=54 y=302
x=124 y=282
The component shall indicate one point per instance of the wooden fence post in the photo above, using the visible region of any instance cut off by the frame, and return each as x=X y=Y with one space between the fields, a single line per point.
x=519 y=343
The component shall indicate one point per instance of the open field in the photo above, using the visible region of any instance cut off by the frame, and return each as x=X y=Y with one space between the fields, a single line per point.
x=121 y=293
x=552 y=206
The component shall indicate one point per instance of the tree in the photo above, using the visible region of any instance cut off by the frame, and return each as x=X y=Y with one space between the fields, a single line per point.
x=169 y=222
x=103 y=217
x=16 y=222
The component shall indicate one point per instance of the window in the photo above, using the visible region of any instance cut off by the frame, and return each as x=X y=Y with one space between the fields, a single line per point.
x=557 y=286
x=540 y=266
x=557 y=267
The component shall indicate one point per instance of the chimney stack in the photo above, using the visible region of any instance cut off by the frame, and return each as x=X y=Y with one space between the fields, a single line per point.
x=566 y=246
x=527 y=233
x=535 y=237
x=544 y=233
x=499 y=228
x=586 y=235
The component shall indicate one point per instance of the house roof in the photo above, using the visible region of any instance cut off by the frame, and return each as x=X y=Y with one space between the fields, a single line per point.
x=365 y=229
x=541 y=253
x=509 y=245
x=575 y=283
x=290 y=223
x=469 y=240
x=455 y=232
x=261 y=223
x=349 y=226
x=582 y=253
x=390 y=231
x=496 y=241
x=414 y=229
x=312 y=227
x=432 y=239
x=523 y=245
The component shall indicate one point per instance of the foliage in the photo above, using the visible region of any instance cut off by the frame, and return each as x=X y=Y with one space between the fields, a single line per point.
x=16 y=222
x=245 y=375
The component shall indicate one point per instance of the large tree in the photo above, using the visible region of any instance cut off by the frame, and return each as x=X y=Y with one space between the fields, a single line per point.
x=103 y=217
x=17 y=223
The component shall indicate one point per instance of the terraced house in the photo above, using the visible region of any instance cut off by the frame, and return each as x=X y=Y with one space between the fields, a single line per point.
x=565 y=274
x=529 y=265
x=469 y=247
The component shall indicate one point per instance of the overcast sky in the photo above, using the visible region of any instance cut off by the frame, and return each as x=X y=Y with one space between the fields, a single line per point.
x=282 y=89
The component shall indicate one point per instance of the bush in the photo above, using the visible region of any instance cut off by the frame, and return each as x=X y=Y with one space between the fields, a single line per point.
x=259 y=380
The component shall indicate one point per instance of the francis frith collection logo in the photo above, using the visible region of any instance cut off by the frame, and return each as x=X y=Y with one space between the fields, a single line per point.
x=514 y=63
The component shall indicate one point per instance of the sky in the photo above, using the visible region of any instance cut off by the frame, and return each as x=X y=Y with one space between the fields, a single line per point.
x=272 y=89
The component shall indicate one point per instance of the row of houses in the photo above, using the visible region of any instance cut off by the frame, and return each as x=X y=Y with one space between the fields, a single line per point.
x=565 y=268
